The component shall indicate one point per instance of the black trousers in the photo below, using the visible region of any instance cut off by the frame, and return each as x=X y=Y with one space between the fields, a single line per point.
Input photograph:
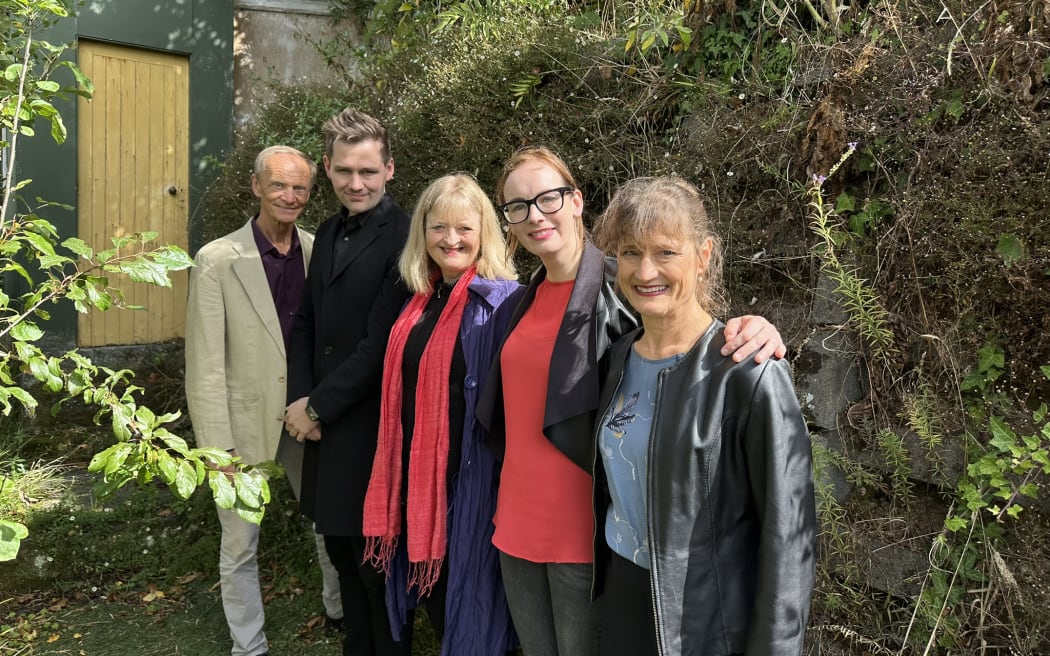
x=363 y=590
x=628 y=626
x=435 y=603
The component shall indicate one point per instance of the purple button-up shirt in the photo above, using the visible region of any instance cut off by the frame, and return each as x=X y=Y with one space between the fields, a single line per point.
x=285 y=274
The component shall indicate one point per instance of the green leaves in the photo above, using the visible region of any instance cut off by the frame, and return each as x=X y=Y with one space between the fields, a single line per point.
x=33 y=72
x=84 y=87
x=253 y=494
x=1004 y=468
x=524 y=86
x=7 y=393
x=868 y=313
x=1003 y=438
x=244 y=492
x=955 y=523
x=172 y=258
x=665 y=29
x=1010 y=248
x=26 y=331
x=991 y=363
x=11 y=535
x=73 y=276
x=12 y=72
x=147 y=451
x=56 y=270
x=148 y=266
x=865 y=219
x=185 y=479
x=144 y=270
x=222 y=489
x=991 y=359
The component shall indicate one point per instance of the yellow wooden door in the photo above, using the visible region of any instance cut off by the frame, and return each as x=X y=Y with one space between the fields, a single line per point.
x=133 y=176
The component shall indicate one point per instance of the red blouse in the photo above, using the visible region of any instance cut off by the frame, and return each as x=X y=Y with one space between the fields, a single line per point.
x=544 y=509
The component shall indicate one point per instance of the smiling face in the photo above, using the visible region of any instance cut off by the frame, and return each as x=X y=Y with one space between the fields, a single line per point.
x=659 y=275
x=453 y=243
x=282 y=187
x=664 y=242
x=358 y=173
x=548 y=236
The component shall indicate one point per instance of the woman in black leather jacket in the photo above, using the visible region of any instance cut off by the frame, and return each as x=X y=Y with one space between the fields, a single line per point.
x=706 y=536
x=541 y=398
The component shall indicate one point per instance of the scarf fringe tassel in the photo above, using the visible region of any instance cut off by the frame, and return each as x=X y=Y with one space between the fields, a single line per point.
x=379 y=552
x=424 y=575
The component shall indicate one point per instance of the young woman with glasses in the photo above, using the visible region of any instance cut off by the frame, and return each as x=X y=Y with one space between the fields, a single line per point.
x=541 y=400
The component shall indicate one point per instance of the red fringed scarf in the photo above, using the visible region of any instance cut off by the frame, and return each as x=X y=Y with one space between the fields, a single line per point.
x=428 y=460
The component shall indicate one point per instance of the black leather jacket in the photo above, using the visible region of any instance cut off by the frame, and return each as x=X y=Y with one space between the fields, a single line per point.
x=594 y=318
x=731 y=512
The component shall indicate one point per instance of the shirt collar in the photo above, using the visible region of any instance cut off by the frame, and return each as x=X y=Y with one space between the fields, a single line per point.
x=352 y=223
x=265 y=246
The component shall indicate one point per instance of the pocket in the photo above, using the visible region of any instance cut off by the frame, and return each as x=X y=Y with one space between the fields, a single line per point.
x=242 y=399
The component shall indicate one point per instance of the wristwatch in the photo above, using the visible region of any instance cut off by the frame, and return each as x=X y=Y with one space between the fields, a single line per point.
x=311 y=413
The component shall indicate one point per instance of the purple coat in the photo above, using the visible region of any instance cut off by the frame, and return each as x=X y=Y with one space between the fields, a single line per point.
x=477 y=619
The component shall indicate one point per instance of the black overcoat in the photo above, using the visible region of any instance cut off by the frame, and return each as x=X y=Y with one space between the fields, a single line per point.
x=336 y=358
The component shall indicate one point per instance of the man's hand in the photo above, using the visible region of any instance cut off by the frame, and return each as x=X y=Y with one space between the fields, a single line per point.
x=298 y=424
x=753 y=334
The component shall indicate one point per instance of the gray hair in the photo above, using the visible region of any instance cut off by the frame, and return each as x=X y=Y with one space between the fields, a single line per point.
x=266 y=153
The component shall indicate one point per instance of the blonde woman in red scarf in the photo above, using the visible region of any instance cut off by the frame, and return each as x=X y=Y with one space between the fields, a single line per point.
x=430 y=501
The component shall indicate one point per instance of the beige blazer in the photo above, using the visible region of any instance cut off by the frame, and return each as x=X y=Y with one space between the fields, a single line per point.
x=235 y=356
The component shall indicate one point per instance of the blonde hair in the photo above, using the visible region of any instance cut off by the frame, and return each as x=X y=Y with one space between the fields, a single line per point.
x=353 y=126
x=645 y=208
x=542 y=156
x=448 y=197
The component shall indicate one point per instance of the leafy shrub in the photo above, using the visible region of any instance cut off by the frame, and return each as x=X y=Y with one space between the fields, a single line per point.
x=935 y=221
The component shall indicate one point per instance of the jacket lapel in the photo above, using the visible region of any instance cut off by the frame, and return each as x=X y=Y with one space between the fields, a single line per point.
x=572 y=387
x=371 y=229
x=306 y=241
x=248 y=268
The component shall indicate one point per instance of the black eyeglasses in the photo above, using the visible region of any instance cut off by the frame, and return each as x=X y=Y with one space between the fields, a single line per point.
x=547 y=202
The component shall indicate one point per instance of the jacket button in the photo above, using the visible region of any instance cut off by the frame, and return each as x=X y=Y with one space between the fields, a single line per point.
x=470 y=382
x=328 y=350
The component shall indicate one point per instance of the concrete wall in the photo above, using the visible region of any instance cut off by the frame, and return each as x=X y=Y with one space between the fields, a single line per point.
x=275 y=41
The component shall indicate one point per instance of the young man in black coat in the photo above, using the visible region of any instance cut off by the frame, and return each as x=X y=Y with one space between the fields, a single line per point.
x=351 y=298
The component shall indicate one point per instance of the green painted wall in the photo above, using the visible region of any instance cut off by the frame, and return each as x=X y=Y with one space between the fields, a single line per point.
x=202 y=29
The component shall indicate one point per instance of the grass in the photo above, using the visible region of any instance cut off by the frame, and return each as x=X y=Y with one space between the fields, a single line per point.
x=138 y=573
x=188 y=620
x=22 y=487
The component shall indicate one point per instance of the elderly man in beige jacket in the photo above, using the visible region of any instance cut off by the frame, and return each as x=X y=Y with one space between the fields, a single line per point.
x=244 y=292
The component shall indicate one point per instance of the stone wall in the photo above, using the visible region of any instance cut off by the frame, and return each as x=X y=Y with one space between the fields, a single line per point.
x=889 y=547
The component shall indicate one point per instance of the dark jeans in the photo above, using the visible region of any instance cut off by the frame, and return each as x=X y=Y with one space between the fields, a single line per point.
x=364 y=607
x=550 y=604
x=628 y=624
